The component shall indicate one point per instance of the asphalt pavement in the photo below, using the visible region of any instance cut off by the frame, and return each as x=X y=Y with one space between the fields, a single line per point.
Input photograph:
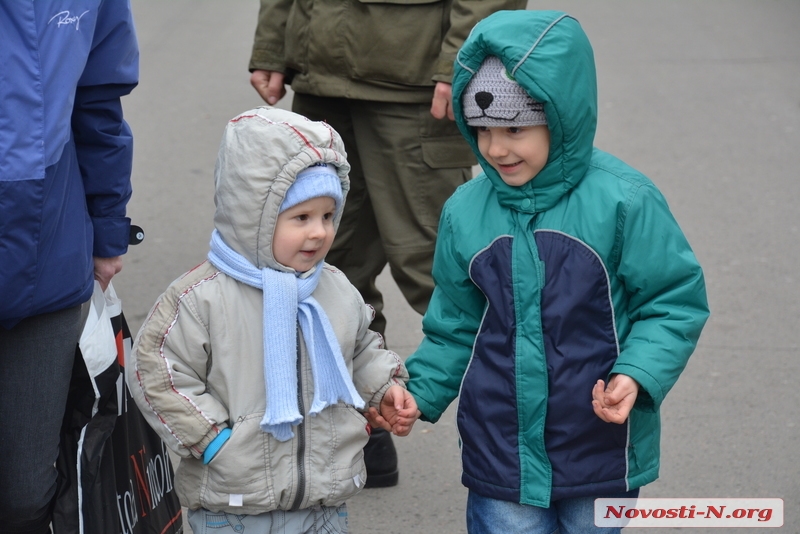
x=703 y=96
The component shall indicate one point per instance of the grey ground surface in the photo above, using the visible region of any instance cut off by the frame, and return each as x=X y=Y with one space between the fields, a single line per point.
x=703 y=96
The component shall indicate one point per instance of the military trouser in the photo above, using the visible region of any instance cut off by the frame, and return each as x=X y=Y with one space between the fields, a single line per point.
x=405 y=165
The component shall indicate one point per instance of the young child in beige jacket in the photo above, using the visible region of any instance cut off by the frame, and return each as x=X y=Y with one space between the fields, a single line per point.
x=258 y=367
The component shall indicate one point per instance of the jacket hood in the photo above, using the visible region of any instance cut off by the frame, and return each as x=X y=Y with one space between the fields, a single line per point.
x=548 y=54
x=261 y=152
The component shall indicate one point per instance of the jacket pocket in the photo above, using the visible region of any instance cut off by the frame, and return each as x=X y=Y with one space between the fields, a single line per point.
x=447 y=153
x=239 y=468
x=645 y=437
x=339 y=434
x=443 y=146
x=449 y=158
x=449 y=165
x=348 y=480
x=395 y=41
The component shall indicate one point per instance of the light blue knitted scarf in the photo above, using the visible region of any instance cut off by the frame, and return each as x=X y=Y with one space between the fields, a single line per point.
x=287 y=301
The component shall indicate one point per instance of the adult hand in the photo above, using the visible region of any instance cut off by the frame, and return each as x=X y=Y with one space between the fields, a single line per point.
x=269 y=84
x=442 y=105
x=613 y=404
x=105 y=269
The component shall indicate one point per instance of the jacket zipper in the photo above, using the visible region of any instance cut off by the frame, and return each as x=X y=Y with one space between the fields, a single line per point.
x=301 y=435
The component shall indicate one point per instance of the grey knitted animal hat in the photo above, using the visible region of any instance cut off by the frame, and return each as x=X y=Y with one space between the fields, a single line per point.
x=492 y=98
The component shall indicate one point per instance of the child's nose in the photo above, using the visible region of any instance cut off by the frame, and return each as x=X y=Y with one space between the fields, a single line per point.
x=497 y=148
x=317 y=229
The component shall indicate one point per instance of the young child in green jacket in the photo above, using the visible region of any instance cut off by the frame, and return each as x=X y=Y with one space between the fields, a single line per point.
x=567 y=298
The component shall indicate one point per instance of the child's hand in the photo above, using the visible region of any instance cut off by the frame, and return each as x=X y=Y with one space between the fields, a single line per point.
x=614 y=403
x=397 y=414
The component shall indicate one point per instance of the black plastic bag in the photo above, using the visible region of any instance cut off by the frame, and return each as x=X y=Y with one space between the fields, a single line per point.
x=115 y=473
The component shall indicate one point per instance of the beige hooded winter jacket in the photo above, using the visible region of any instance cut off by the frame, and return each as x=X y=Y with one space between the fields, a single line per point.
x=197 y=362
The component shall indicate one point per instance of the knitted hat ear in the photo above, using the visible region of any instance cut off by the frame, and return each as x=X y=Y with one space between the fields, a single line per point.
x=319 y=180
x=493 y=98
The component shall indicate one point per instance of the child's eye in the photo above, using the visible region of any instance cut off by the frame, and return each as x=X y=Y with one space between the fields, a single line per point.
x=302 y=217
x=514 y=129
x=482 y=129
x=328 y=216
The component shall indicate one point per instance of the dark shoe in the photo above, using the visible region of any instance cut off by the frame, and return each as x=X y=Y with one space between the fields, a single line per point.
x=380 y=457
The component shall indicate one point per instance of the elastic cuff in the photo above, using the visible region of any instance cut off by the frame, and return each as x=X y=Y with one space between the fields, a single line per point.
x=111 y=236
x=216 y=444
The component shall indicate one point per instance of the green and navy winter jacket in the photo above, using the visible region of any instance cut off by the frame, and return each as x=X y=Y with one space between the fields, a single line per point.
x=545 y=288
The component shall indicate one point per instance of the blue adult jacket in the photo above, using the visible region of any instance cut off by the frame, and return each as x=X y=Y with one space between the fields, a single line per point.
x=545 y=288
x=65 y=150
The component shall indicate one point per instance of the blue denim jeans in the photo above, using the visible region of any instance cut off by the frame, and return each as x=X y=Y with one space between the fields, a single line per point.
x=36 y=357
x=566 y=516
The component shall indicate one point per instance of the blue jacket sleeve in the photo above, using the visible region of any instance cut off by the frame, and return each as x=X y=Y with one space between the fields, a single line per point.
x=103 y=139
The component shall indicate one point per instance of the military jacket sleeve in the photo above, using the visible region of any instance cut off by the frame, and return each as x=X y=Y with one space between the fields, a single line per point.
x=463 y=16
x=269 y=44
